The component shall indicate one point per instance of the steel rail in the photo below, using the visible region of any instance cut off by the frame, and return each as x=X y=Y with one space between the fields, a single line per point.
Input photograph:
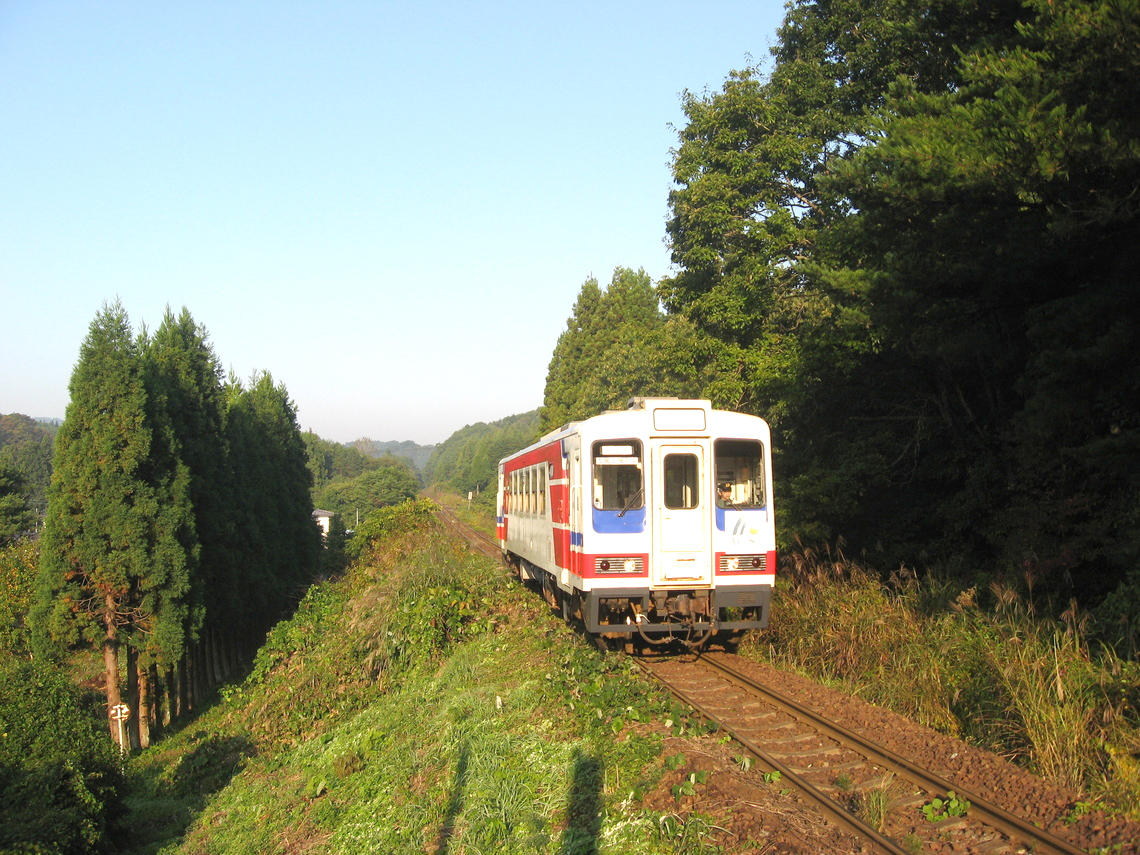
x=1014 y=826
x=827 y=805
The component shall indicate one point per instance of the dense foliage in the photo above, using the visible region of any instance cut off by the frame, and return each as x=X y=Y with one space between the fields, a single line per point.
x=179 y=523
x=914 y=240
x=18 y=565
x=415 y=453
x=26 y=447
x=389 y=481
x=618 y=344
x=60 y=780
x=332 y=461
x=16 y=517
x=468 y=460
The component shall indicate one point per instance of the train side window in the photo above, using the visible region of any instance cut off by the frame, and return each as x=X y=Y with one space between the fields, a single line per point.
x=542 y=490
x=682 y=481
x=740 y=466
x=618 y=484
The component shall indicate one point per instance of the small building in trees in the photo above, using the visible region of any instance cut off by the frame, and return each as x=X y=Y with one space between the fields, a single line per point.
x=324 y=520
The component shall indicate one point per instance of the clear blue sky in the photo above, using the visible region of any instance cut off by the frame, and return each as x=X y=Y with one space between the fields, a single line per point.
x=391 y=207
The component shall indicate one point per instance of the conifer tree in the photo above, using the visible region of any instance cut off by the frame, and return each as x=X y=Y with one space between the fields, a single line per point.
x=113 y=564
x=187 y=403
x=280 y=543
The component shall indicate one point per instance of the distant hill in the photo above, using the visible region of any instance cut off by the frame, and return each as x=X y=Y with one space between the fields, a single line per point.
x=417 y=454
x=467 y=461
x=26 y=446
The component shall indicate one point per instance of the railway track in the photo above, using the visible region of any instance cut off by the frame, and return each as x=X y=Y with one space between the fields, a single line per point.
x=482 y=543
x=838 y=770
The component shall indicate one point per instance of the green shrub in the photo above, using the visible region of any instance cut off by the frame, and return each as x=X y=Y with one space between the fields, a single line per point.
x=382 y=523
x=61 y=781
x=18 y=564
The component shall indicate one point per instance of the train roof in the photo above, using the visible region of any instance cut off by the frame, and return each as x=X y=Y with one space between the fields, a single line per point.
x=664 y=416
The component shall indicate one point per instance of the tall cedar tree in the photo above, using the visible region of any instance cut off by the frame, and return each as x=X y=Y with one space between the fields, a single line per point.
x=279 y=548
x=114 y=566
x=617 y=345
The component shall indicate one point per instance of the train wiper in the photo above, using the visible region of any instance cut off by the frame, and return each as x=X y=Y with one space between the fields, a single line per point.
x=636 y=497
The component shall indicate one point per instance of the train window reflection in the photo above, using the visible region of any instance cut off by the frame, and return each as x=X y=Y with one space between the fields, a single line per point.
x=739 y=473
x=618 y=476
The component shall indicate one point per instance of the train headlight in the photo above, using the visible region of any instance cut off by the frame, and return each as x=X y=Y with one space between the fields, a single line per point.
x=630 y=565
x=733 y=564
x=604 y=566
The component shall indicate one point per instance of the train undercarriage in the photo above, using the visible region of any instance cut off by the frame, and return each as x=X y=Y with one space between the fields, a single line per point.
x=634 y=616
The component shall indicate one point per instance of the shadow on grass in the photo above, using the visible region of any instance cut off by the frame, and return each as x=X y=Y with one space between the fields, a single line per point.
x=455 y=803
x=164 y=803
x=584 y=808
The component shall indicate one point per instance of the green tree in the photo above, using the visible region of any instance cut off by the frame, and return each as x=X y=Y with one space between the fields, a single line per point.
x=330 y=461
x=392 y=481
x=468 y=460
x=186 y=402
x=15 y=515
x=61 y=788
x=113 y=564
x=758 y=218
x=26 y=446
x=617 y=344
x=997 y=228
x=279 y=543
x=18 y=563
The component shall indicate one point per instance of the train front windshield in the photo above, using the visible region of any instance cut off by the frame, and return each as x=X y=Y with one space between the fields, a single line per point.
x=739 y=473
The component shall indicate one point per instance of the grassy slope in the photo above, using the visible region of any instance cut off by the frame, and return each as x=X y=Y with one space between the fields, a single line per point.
x=392 y=714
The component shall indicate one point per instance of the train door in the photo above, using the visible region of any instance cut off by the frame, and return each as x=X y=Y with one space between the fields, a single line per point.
x=574 y=476
x=681 y=533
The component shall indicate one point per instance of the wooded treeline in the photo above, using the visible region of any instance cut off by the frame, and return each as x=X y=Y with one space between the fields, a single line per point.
x=179 y=521
x=911 y=245
x=468 y=460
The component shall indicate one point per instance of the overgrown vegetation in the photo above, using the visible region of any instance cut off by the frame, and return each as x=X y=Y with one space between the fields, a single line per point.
x=988 y=666
x=423 y=702
x=61 y=782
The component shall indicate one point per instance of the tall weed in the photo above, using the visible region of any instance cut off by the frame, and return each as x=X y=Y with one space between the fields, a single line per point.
x=1005 y=678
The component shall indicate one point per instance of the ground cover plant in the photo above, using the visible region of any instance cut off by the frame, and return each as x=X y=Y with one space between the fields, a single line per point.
x=424 y=702
x=988 y=666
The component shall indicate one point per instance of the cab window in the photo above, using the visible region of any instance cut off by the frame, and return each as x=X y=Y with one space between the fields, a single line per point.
x=618 y=474
x=739 y=473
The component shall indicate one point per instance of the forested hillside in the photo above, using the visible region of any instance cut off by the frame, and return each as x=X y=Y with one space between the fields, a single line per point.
x=347 y=480
x=467 y=461
x=911 y=245
x=412 y=451
x=25 y=454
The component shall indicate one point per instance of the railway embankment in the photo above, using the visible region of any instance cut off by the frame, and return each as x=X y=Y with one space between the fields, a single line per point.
x=426 y=702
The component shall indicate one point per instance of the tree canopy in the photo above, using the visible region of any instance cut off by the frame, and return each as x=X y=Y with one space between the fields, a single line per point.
x=913 y=241
x=617 y=344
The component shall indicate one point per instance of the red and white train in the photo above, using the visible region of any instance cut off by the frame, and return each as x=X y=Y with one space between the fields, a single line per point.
x=655 y=521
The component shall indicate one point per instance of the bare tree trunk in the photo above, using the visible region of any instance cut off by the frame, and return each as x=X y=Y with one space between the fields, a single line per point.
x=132 y=699
x=144 y=707
x=170 y=696
x=111 y=668
x=184 y=682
